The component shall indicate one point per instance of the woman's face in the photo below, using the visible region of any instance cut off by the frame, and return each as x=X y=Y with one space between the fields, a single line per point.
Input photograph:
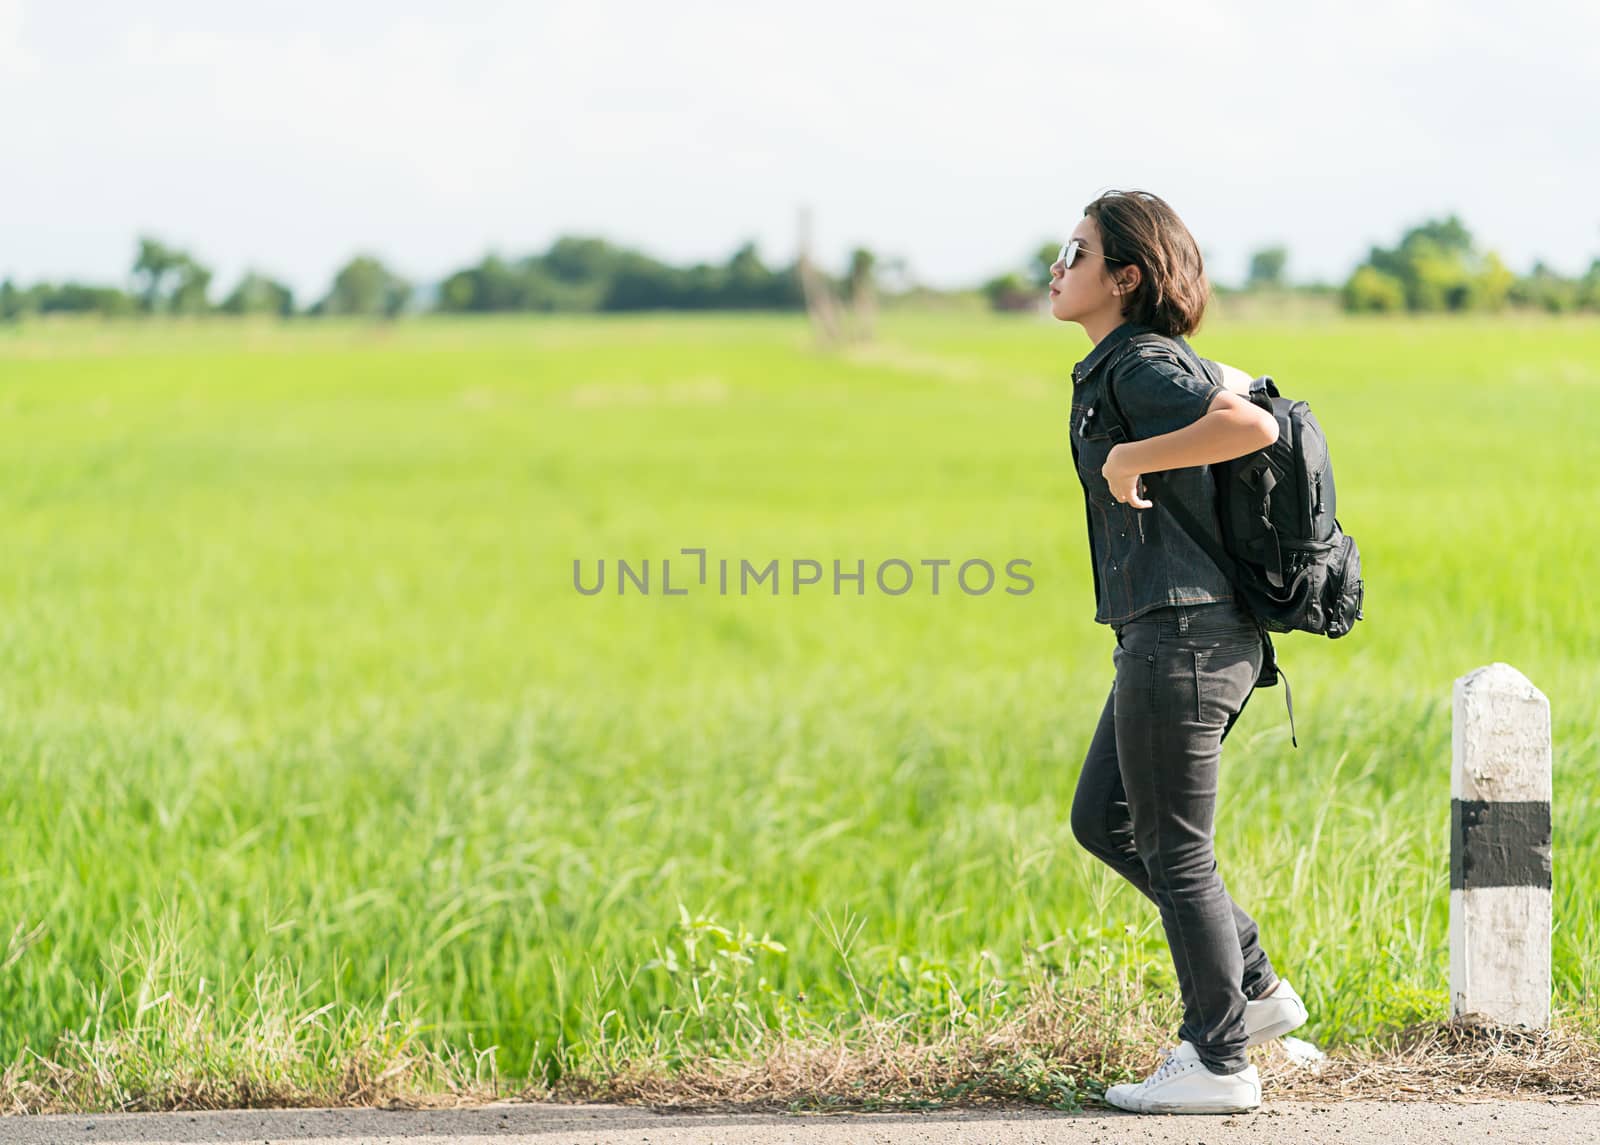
x=1084 y=290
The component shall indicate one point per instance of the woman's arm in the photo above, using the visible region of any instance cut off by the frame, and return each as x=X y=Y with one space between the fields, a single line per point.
x=1230 y=427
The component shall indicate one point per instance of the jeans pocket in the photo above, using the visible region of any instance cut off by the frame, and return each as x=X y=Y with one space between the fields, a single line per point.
x=1137 y=638
x=1223 y=679
x=1138 y=676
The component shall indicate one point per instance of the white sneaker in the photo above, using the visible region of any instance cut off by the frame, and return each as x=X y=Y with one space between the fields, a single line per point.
x=1183 y=1084
x=1274 y=1015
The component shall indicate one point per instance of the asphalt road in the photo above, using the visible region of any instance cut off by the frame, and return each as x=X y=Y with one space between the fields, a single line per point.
x=1352 y=1122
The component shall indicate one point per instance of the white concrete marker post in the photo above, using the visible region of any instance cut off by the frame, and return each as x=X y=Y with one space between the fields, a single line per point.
x=1500 y=849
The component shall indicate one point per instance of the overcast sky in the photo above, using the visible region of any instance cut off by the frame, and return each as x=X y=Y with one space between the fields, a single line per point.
x=958 y=135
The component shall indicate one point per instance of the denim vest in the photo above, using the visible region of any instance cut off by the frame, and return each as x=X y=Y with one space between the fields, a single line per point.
x=1142 y=558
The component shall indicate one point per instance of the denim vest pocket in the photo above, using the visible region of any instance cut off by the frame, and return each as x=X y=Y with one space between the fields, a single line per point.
x=1096 y=432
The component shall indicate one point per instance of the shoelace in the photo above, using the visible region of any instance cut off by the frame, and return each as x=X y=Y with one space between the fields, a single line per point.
x=1169 y=1064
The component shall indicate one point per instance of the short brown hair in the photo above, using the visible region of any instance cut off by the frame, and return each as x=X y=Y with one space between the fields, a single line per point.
x=1140 y=228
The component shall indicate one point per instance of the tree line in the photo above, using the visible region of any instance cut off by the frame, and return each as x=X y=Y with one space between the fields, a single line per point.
x=1436 y=266
x=576 y=273
x=167 y=280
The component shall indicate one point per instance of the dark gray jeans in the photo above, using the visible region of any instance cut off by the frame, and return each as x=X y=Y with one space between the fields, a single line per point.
x=1146 y=797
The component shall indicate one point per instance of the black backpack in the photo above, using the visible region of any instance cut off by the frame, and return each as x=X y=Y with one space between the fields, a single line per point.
x=1283 y=549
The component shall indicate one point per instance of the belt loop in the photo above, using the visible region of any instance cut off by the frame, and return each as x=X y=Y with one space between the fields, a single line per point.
x=1183 y=619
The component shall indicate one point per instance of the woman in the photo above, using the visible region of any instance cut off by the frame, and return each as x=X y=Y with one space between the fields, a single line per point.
x=1188 y=653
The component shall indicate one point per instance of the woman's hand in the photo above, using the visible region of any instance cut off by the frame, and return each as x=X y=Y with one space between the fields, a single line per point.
x=1124 y=481
x=1231 y=427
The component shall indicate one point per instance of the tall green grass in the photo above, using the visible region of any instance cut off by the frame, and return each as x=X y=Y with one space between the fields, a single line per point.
x=293 y=675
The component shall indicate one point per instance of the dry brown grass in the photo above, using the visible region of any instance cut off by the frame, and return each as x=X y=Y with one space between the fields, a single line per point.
x=1448 y=1061
x=1052 y=1050
x=1064 y=1056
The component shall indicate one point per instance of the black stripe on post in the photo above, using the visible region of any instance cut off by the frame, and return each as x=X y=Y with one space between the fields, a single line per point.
x=1496 y=843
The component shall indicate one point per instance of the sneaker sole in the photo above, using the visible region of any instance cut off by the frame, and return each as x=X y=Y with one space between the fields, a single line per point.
x=1191 y=1107
x=1277 y=1029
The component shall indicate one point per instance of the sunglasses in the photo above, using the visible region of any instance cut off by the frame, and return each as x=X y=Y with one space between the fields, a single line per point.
x=1069 y=254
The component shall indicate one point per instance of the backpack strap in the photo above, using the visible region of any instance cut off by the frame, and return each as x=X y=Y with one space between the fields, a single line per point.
x=1265 y=482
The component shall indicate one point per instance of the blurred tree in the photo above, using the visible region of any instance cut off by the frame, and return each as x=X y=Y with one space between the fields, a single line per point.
x=750 y=284
x=67 y=298
x=1436 y=266
x=1449 y=234
x=1371 y=290
x=1039 y=266
x=80 y=298
x=11 y=301
x=639 y=282
x=364 y=286
x=579 y=273
x=1012 y=291
x=189 y=295
x=1267 y=267
x=258 y=294
x=701 y=285
x=863 y=267
x=1435 y=278
x=168 y=279
x=492 y=285
x=746 y=278
x=863 y=293
x=580 y=258
x=1024 y=288
x=1545 y=288
x=1492 y=287
x=1589 y=287
x=152 y=267
x=497 y=285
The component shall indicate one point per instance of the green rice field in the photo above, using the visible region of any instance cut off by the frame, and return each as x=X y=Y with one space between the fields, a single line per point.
x=311 y=743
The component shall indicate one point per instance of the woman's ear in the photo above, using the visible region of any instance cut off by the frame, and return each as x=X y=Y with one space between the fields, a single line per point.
x=1128 y=280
